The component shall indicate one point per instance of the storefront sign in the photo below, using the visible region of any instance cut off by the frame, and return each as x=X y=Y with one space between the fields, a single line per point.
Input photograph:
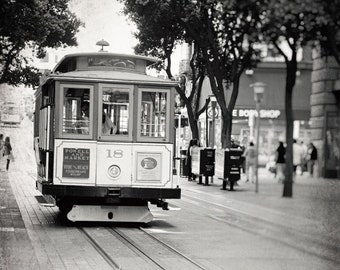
x=245 y=113
x=76 y=162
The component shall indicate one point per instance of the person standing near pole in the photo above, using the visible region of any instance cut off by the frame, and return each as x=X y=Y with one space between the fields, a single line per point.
x=250 y=155
x=280 y=162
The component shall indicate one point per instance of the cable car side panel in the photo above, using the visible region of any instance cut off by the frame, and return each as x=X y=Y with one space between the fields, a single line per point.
x=112 y=164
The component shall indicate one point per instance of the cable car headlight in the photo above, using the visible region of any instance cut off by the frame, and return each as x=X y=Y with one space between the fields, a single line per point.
x=114 y=171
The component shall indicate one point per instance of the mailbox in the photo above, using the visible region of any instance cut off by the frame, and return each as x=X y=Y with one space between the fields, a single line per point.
x=233 y=166
x=228 y=165
x=203 y=161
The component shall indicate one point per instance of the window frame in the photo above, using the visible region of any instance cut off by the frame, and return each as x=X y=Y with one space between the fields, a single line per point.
x=126 y=88
x=62 y=88
x=141 y=138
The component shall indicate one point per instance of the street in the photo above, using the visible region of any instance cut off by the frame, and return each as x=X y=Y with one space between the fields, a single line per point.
x=212 y=228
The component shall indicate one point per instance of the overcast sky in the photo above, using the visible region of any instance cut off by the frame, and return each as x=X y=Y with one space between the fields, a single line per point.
x=103 y=20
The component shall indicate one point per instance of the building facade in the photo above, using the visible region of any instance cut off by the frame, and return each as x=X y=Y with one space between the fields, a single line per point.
x=325 y=113
x=272 y=113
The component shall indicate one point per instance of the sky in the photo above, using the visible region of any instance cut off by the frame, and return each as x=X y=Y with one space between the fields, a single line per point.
x=103 y=20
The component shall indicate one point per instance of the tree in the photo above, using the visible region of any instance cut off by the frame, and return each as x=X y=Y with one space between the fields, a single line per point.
x=158 y=34
x=327 y=27
x=32 y=25
x=290 y=22
x=223 y=33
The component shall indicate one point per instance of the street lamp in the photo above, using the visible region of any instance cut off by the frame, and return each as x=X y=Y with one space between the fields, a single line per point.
x=212 y=113
x=258 y=88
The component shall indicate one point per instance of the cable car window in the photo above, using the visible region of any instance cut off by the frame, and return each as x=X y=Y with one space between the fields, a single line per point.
x=76 y=111
x=115 y=111
x=153 y=114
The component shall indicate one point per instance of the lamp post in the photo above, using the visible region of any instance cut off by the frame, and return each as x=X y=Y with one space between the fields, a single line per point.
x=212 y=113
x=258 y=88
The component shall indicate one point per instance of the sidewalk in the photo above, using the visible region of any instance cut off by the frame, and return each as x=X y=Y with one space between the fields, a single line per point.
x=15 y=245
x=314 y=199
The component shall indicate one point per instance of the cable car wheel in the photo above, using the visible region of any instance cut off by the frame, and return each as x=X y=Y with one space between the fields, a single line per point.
x=65 y=205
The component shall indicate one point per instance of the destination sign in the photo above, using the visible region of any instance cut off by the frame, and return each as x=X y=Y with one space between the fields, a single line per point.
x=76 y=162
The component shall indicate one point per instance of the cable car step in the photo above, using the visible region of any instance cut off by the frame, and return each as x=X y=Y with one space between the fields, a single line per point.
x=46 y=200
x=110 y=213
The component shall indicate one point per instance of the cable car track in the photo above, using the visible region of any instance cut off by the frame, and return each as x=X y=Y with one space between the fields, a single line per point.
x=153 y=252
x=167 y=249
x=99 y=249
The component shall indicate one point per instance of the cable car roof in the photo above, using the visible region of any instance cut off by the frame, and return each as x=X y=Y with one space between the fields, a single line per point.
x=110 y=76
x=67 y=59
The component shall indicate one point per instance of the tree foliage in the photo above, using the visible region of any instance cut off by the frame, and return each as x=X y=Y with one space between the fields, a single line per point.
x=327 y=27
x=32 y=25
x=222 y=32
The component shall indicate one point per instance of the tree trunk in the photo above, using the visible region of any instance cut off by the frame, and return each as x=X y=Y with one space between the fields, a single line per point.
x=226 y=129
x=290 y=82
x=193 y=123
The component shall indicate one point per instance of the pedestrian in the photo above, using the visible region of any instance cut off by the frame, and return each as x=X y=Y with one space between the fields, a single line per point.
x=312 y=156
x=250 y=156
x=304 y=148
x=280 y=162
x=7 y=152
x=297 y=156
x=1 y=149
x=243 y=159
x=192 y=143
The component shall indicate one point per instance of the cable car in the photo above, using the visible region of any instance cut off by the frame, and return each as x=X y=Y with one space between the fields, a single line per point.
x=103 y=137
x=10 y=114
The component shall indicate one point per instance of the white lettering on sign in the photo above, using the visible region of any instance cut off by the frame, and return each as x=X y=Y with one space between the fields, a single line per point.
x=245 y=113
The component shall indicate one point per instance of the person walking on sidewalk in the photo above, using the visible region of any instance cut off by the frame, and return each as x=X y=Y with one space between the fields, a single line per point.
x=8 y=152
x=192 y=143
x=312 y=156
x=1 y=149
x=280 y=162
x=297 y=156
x=250 y=155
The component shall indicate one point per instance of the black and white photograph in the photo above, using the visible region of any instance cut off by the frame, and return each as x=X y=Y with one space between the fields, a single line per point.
x=170 y=134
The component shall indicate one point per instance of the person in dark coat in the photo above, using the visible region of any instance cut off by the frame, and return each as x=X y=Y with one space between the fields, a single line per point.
x=280 y=162
x=7 y=152
x=312 y=156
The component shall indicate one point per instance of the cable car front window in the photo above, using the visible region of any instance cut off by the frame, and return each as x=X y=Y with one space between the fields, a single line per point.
x=153 y=114
x=76 y=111
x=115 y=114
